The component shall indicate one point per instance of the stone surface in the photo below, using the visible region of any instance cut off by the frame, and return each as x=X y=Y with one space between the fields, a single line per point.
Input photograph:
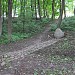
x=58 y=33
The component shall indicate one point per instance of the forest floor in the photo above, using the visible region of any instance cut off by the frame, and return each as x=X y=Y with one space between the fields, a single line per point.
x=39 y=55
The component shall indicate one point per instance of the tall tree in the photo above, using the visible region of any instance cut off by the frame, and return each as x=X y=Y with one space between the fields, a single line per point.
x=44 y=8
x=39 y=11
x=0 y=18
x=15 y=6
x=21 y=7
x=35 y=10
x=74 y=11
x=32 y=7
x=9 y=19
x=64 y=8
x=61 y=12
x=53 y=14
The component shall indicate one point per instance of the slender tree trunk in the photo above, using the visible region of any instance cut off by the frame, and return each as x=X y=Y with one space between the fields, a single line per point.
x=53 y=14
x=24 y=7
x=20 y=7
x=35 y=10
x=3 y=12
x=74 y=11
x=6 y=8
x=47 y=14
x=64 y=8
x=39 y=11
x=9 y=19
x=15 y=8
x=61 y=12
x=0 y=19
x=32 y=7
x=44 y=8
x=46 y=11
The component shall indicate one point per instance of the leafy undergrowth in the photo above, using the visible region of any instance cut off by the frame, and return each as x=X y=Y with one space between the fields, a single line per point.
x=67 y=24
x=22 y=30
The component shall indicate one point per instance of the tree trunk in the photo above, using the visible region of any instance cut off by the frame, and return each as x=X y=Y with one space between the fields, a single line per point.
x=15 y=8
x=0 y=19
x=35 y=10
x=74 y=11
x=9 y=19
x=64 y=8
x=53 y=15
x=21 y=8
x=44 y=8
x=32 y=7
x=46 y=11
x=39 y=11
x=61 y=12
x=3 y=12
x=6 y=8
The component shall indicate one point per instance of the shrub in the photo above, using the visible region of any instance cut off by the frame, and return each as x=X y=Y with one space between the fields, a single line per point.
x=45 y=20
x=68 y=23
x=53 y=27
x=22 y=30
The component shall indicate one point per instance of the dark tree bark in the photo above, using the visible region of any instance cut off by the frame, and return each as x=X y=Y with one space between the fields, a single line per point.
x=35 y=10
x=3 y=11
x=32 y=7
x=24 y=8
x=39 y=11
x=44 y=8
x=74 y=11
x=9 y=19
x=46 y=11
x=53 y=14
x=6 y=8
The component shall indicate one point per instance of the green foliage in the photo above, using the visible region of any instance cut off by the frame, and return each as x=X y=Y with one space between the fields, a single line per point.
x=27 y=27
x=22 y=31
x=15 y=37
x=68 y=23
x=45 y=20
x=32 y=27
x=3 y=39
x=53 y=27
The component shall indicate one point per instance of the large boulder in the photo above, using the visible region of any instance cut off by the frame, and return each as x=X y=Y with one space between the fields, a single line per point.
x=58 y=33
